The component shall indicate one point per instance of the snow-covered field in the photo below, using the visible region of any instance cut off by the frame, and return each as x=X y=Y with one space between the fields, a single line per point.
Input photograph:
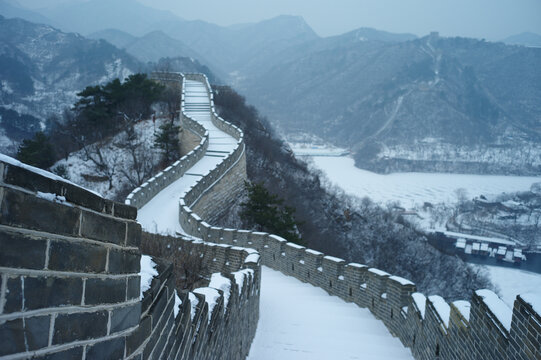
x=413 y=189
x=512 y=282
x=300 y=321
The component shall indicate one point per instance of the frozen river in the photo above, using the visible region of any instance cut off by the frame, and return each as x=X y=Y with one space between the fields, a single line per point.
x=412 y=189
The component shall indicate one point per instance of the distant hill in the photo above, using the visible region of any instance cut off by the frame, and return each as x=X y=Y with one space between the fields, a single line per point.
x=150 y=47
x=118 y=38
x=12 y=9
x=91 y=16
x=429 y=104
x=42 y=68
x=231 y=52
x=525 y=38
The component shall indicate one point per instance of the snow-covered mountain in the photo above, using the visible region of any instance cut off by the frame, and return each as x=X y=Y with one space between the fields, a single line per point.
x=150 y=47
x=525 y=39
x=437 y=104
x=42 y=69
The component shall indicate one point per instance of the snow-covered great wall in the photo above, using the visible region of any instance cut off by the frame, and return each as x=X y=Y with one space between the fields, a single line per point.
x=71 y=275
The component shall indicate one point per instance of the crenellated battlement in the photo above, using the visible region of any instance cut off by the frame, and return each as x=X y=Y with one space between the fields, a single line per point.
x=431 y=328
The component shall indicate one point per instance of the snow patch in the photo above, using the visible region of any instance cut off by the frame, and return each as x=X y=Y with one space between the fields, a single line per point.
x=497 y=307
x=211 y=298
x=194 y=301
x=464 y=307
x=420 y=302
x=401 y=280
x=147 y=273
x=534 y=300
x=52 y=197
x=178 y=302
x=442 y=308
x=220 y=282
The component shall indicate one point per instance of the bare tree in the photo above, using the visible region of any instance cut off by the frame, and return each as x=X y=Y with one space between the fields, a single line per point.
x=141 y=164
x=103 y=166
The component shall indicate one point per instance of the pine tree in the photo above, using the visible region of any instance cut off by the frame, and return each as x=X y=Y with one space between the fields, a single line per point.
x=37 y=151
x=268 y=213
x=167 y=140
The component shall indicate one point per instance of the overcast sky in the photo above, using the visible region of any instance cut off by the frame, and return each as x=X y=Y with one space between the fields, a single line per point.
x=490 y=19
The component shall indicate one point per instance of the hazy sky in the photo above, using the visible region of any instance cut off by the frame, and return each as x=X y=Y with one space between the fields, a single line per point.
x=490 y=19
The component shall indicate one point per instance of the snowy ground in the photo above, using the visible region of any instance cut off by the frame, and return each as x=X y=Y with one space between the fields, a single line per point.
x=78 y=165
x=512 y=282
x=413 y=189
x=300 y=321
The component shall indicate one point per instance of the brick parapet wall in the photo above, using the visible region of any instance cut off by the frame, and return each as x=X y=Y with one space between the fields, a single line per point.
x=70 y=283
x=69 y=265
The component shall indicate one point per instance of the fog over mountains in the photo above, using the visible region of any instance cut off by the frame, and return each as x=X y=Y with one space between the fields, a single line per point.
x=400 y=102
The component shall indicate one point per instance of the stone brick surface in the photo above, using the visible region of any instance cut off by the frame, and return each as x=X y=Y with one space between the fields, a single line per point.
x=125 y=317
x=105 y=291
x=80 y=326
x=124 y=261
x=27 y=211
x=22 y=251
x=99 y=227
x=110 y=349
x=51 y=291
x=77 y=257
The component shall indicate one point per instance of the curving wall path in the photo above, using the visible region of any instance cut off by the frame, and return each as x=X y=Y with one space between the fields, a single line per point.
x=481 y=328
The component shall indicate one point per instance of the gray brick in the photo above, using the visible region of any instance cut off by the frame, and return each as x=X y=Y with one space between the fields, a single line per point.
x=110 y=349
x=27 y=211
x=105 y=291
x=23 y=252
x=14 y=297
x=134 y=234
x=134 y=287
x=124 y=261
x=80 y=326
x=125 y=317
x=125 y=211
x=45 y=292
x=103 y=228
x=16 y=334
x=78 y=257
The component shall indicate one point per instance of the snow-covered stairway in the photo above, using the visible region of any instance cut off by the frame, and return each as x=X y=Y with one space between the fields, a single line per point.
x=160 y=214
x=297 y=320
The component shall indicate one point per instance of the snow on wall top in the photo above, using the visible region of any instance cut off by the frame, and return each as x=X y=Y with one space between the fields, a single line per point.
x=11 y=161
x=464 y=307
x=401 y=280
x=534 y=300
x=378 y=272
x=497 y=307
x=211 y=298
x=420 y=302
x=334 y=259
x=442 y=308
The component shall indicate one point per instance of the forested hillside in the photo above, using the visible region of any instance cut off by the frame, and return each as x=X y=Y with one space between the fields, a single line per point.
x=357 y=230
